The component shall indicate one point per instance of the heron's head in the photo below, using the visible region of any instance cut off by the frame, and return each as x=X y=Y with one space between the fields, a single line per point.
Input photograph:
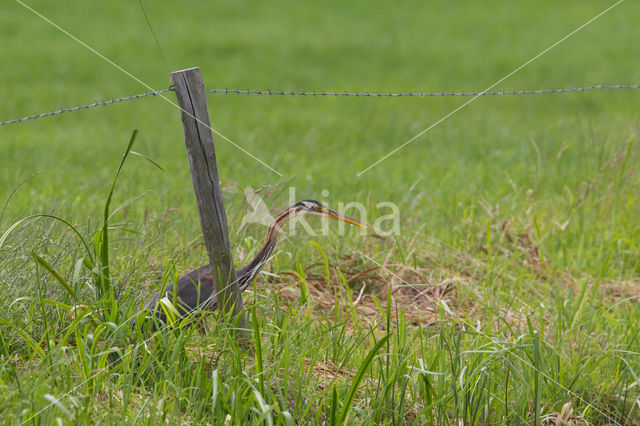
x=315 y=208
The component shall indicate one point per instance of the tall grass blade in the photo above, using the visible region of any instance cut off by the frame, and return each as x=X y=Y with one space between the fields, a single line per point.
x=259 y=367
x=536 y=378
x=36 y=216
x=358 y=378
x=46 y=301
x=325 y=261
x=334 y=407
x=68 y=288
x=627 y=154
x=13 y=192
x=25 y=336
x=265 y=409
x=55 y=401
x=105 y=273
x=287 y=418
x=144 y=157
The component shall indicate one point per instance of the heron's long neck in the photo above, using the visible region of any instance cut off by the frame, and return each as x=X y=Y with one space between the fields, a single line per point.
x=246 y=275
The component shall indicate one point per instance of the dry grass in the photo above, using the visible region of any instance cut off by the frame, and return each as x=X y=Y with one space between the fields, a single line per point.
x=327 y=373
x=412 y=289
x=566 y=416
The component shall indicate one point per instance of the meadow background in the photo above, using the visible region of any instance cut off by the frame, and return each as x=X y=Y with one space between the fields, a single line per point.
x=510 y=294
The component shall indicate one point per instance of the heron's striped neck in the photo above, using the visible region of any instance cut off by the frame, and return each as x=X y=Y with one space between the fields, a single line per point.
x=246 y=275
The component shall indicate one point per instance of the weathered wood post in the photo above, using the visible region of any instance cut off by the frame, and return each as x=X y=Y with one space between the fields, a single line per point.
x=192 y=100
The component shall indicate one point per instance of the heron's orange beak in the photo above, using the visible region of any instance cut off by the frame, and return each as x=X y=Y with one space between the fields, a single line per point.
x=343 y=218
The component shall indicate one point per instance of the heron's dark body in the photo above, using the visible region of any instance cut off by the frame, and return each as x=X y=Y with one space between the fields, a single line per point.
x=192 y=289
x=195 y=291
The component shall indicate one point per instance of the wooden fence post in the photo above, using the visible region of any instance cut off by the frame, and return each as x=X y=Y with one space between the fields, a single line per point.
x=192 y=100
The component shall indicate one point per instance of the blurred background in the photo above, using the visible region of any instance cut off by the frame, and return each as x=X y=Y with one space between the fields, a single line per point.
x=499 y=158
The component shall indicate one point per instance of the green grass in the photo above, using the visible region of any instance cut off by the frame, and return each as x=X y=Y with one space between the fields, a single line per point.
x=514 y=278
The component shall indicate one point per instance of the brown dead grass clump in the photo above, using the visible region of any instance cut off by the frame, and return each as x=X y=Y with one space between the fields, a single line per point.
x=566 y=416
x=412 y=289
x=327 y=373
x=619 y=291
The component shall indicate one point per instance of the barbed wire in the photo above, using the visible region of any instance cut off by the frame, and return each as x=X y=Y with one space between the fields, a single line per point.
x=419 y=94
x=325 y=93
x=79 y=107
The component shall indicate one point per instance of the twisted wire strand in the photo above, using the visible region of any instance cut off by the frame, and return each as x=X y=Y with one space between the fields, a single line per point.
x=325 y=93
x=79 y=107
x=420 y=94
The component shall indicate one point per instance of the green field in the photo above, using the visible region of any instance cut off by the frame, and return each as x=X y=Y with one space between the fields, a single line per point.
x=510 y=294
